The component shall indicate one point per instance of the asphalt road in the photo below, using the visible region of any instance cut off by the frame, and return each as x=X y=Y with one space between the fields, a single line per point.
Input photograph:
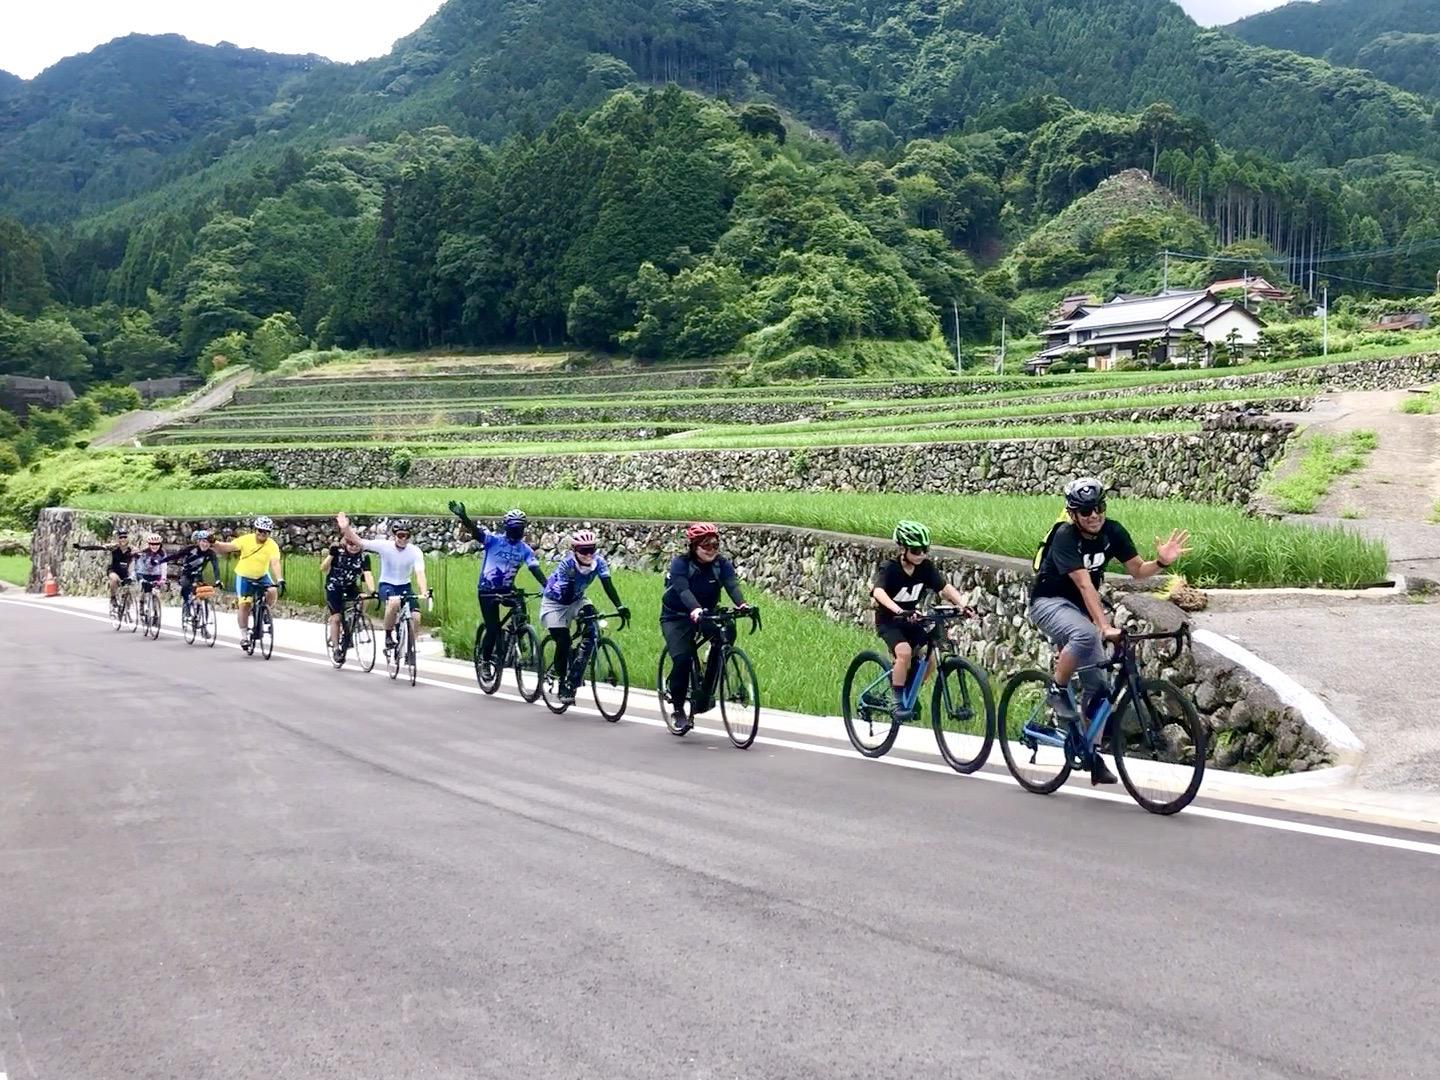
x=214 y=866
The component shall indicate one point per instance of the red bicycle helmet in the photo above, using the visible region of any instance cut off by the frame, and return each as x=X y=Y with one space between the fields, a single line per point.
x=699 y=531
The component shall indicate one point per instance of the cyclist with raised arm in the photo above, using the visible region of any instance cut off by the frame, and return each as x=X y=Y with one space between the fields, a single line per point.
x=502 y=555
x=399 y=560
x=192 y=562
x=342 y=565
x=122 y=557
x=693 y=583
x=1065 y=598
x=897 y=589
x=564 y=598
x=257 y=571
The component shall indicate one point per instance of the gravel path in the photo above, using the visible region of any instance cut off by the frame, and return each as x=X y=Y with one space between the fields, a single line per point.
x=137 y=423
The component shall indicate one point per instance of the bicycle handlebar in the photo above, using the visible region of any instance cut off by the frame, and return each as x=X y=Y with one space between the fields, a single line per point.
x=731 y=615
x=596 y=616
x=1178 y=638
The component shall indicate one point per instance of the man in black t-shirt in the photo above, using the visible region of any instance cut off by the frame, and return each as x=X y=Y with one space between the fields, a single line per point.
x=344 y=563
x=1065 y=597
x=898 y=587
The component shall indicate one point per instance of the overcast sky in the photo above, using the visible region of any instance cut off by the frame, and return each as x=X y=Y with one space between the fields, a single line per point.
x=39 y=32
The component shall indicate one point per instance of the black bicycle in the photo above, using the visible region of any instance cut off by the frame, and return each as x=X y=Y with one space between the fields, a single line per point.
x=595 y=657
x=122 y=608
x=725 y=675
x=198 y=616
x=517 y=645
x=400 y=650
x=261 y=631
x=150 y=608
x=962 y=708
x=1154 y=730
x=357 y=634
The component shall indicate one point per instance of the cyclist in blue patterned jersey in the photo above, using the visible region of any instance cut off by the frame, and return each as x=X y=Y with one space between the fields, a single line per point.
x=564 y=599
x=502 y=556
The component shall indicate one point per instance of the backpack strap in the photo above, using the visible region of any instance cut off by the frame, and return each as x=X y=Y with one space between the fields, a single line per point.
x=1044 y=546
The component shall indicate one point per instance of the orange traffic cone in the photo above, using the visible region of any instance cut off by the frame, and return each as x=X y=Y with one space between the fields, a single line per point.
x=52 y=587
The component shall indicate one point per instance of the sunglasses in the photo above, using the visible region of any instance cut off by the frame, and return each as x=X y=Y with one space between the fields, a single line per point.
x=1094 y=511
x=917 y=550
x=588 y=550
x=709 y=545
x=152 y=543
x=401 y=535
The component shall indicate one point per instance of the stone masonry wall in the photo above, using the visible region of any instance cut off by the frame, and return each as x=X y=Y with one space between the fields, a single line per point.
x=828 y=571
x=1219 y=465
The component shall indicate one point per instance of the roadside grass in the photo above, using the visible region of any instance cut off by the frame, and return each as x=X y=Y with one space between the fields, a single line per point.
x=1228 y=548
x=15 y=569
x=1425 y=404
x=800 y=654
x=1323 y=458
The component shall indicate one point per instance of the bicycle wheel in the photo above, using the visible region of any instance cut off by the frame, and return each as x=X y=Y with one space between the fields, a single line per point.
x=208 y=627
x=667 y=704
x=525 y=657
x=1159 y=745
x=267 y=631
x=115 y=609
x=336 y=649
x=550 y=678
x=410 y=654
x=486 y=674
x=739 y=699
x=962 y=712
x=1024 y=716
x=152 y=615
x=865 y=702
x=129 y=615
x=607 y=668
x=362 y=641
x=189 y=622
x=397 y=650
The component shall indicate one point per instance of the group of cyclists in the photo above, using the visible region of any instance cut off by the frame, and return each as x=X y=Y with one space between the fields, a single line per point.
x=1064 y=603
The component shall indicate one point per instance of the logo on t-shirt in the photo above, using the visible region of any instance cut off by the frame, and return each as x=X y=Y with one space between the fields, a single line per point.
x=910 y=594
x=1095 y=560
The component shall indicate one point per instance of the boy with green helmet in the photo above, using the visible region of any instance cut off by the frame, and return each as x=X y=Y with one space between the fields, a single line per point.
x=897 y=588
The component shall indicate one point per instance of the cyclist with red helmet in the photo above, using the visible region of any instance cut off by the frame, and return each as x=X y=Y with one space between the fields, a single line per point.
x=692 y=586
x=564 y=598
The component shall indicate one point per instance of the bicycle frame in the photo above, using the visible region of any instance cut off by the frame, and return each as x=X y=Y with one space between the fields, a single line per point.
x=911 y=692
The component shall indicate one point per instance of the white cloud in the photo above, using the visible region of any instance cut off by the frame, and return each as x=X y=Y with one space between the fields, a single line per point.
x=1221 y=12
x=36 y=35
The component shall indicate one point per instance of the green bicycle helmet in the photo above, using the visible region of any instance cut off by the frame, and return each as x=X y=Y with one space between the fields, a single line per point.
x=912 y=534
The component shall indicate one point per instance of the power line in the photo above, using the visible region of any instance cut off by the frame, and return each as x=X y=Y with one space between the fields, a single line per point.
x=1375 y=284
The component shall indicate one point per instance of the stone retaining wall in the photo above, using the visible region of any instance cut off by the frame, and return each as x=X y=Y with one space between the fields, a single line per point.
x=1222 y=464
x=828 y=571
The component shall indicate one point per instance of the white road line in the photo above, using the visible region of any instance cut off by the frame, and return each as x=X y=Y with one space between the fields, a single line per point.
x=1233 y=816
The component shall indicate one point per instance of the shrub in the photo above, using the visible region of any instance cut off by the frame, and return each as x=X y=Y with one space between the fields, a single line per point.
x=82 y=413
x=401 y=461
x=50 y=427
x=9 y=459
x=9 y=425
x=115 y=399
x=171 y=461
x=69 y=473
x=247 y=479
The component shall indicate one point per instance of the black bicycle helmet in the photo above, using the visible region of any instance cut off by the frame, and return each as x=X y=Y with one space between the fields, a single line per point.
x=1083 y=494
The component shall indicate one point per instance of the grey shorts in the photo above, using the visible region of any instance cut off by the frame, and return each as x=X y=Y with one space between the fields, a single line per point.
x=1067 y=627
x=556 y=616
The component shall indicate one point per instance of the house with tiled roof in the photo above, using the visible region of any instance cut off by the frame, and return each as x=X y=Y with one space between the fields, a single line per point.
x=1186 y=326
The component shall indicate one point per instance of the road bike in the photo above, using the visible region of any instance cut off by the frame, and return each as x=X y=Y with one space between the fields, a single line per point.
x=197 y=616
x=1153 y=730
x=400 y=643
x=261 y=630
x=150 y=608
x=719 y=672
x=962 y=708
x=595 y=657
x=357 y=634
x=516 y=644
x=122 y=608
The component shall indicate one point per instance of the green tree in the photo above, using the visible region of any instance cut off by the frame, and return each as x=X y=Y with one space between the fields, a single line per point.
x=275 y=339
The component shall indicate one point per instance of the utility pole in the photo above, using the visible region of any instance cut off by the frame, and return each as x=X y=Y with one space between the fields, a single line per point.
x=1325 y=322
x=1312 y=283
x=1245 y=290
x=955 y=312
x=1000 y=364
x=1165 y=281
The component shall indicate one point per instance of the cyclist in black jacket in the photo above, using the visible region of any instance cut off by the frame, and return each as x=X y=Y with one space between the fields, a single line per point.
x=192 y=562
x=692 y=586
x=121 y=556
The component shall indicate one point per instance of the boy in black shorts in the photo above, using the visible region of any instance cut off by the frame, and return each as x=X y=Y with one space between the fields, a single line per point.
x=898 y=588
x=341 y=566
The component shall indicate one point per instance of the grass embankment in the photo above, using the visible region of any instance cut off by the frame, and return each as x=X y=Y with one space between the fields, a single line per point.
x=1323 y=458
x=1228 y=548
x=15 y=569
x=800 y=655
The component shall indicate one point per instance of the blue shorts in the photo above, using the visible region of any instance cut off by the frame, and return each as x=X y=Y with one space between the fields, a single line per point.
x=244 y=586
x=387 y=591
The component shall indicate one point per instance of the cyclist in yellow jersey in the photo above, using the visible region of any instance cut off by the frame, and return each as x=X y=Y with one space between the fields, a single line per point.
x=257 y=570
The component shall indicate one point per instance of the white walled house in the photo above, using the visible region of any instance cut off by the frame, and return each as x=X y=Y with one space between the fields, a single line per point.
x=1160 y=326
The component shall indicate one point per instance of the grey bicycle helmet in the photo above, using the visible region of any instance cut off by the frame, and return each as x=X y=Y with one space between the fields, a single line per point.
x=1084 y=493
x=200 y=534
x=264 y=524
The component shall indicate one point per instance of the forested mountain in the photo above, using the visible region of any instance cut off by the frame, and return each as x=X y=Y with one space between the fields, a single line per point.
x=1397 y=40
x=101 y=126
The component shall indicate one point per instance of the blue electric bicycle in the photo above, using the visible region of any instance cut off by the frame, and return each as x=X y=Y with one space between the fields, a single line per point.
x=1150 y=726
x=962 y=709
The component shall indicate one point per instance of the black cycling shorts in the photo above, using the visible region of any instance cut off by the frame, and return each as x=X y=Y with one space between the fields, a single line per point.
x=894 y=631
x=336 y=598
